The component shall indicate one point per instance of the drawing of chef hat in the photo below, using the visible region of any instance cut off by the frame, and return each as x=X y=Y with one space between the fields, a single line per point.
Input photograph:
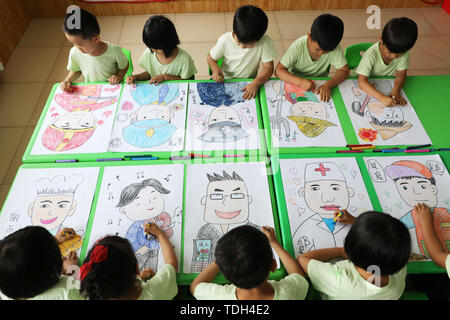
x=407 y=168
x=59 y=185
x=323 y=171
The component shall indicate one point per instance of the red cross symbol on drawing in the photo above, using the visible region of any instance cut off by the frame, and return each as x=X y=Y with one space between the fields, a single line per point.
x=322 y=169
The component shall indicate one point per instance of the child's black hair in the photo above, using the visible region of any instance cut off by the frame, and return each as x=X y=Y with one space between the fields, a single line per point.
x=249 y=24
x=30 y=262
x=160 y=33
x=378 y=239
x=113 y=277
x=327 y=30
x=399 y=34
x=89 y=26
x=244 y=256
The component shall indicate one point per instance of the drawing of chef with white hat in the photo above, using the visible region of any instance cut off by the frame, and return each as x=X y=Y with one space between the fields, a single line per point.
x=325 y=192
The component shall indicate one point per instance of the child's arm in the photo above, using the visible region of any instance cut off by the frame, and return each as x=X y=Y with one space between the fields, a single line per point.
x=398 y=85
x=263 y=75
x=365 y=85
x=143 y=76
x=325 y=90
x=164 y=77
x=118 y=77
x=282 y=72
x=71 y=76
x=167 y=249
x=437 y=253
x=323 y=255
x=289 y=263
x=217 y=74
x=207 y=275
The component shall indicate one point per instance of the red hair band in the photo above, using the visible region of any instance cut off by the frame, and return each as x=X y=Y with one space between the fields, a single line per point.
x=99 y=254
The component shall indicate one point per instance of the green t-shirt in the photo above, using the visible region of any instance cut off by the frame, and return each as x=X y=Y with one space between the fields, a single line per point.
x=292 y=287
x=66 y=289
x=98 y=68
x=372 y=63
x=341 y=281
x=242 y=63
x=182 y=66
x=298 y=61
x=162 y=286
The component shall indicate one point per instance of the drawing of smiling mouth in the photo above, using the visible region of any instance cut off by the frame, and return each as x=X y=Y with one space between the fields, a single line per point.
x=227 y=215
x=150 y=209
x=48 y=221
x=330 y=208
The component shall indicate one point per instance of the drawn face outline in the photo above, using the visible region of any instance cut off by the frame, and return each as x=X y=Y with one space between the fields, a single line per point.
x=415 y=190
x=222 y=114
x=75 y=120
x=377 y=110
x=226 y=202
x=309 y=109
x=148 y=203
x=153 y=111
x=50 y=211
x=326 y=196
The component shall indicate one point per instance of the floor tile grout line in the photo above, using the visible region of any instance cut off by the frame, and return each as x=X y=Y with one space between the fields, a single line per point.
x=15 y=153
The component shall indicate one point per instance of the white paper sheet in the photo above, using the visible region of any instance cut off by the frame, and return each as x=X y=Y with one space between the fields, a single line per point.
x=314 y=189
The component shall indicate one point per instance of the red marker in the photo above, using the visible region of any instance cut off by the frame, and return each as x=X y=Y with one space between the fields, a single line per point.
x=349 y=151
x=359 y=145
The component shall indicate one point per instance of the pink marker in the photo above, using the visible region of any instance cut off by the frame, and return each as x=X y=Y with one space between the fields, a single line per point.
x=419 y=150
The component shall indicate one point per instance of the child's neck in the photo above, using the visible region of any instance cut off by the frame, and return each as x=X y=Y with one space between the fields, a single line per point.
x=101 y=49
x=383 y=281
x=133 y=293
x=262 y=292
x=163 y=60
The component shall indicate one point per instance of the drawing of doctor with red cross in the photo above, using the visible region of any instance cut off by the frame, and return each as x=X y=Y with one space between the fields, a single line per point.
x=325 y=191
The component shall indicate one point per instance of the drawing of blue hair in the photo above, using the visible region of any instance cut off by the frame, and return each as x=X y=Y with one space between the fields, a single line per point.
x=164 y=93
x=217 y=94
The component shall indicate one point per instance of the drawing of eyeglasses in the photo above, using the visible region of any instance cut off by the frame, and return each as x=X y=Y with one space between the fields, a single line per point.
x=220 y=196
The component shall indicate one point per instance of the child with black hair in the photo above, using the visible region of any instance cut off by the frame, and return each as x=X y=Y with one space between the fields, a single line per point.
x=376 y=251
x=245 y=258
x=95 y=59
x=111 y=271
x=163 y=59
x=31 y=266
x=243 y=50
x=387 y=56
x=311 y=55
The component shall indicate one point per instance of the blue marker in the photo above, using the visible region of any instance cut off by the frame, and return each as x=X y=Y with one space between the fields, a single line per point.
x=393 y=150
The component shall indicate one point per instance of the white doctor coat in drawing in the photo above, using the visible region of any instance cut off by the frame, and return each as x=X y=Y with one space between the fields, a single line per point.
x=313 y=233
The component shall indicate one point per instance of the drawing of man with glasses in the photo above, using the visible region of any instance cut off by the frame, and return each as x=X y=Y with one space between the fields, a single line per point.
x=226 y=205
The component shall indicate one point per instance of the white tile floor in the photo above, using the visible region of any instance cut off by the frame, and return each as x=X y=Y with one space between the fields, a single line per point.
x=41 y=57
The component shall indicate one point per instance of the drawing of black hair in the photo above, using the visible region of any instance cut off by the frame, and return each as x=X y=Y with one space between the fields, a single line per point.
x=386 y=123
x=130 y=192
x=432 y=179
x=217 y=177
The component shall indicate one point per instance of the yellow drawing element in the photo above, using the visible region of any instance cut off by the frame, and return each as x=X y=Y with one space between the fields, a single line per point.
x=68 y=135
x=311 y=127
x=150 y=132
x=388 y=132
x=68 y=246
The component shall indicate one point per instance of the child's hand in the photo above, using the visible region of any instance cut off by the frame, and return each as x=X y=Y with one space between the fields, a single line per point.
x=66 y=87
x=65 y=234
x=114 y=79
x=152 y=228
x=388 y=101
x=70 y=260
x=397 y=97
x=270 y=234
x=147 y=274
x=305 y=84
x=129 y=80
x=157 y=79
x=423 y=213
x=250 y=91
x=218 y=76
x=325 y=93
x=345 y=217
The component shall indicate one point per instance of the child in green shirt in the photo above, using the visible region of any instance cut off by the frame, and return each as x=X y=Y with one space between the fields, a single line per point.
x=312 y=54
x=245 y=258
x=163 y=60
x=376 y=251
x=387 y=56
x=97 y=60
x=111 y=272
x=31 y=266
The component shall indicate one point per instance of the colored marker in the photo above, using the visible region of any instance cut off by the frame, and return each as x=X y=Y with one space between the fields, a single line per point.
x=68 y=160
x=199 y=155
x=144 y=158
x=363 y=148
x=349 y=151
x=444 y=149
x=393 y=150
x=181 y=158
x=418 y=147
x=110 y=159
x=139 y=156
x=419 y=150
x=338 y=216
x=359 y=145
x=381 y=150
x=233 y=155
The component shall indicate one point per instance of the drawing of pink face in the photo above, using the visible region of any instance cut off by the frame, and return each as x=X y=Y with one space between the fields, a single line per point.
x=49 y=211
x=309 y=109
x=148 y=204
x=417 y=190
x=226 y=202
x=153 y=111
x=75 y=120
x=224 y=114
